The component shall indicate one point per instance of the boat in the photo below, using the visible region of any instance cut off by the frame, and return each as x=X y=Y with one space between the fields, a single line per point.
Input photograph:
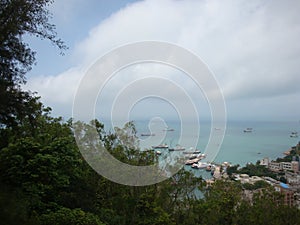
x=158 y=152
x=168 y=129
x=160 y=146
x=147 y=135
x=192 y=161
x=248 y=130
x=202 y=156
x=200 y=165
x=195 y=160
x=193 y=156
x=192 y=152
x=177 y=148
x=294 y=134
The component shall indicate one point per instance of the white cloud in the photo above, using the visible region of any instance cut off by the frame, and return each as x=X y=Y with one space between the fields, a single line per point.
x=57 y=91
x=250 y=45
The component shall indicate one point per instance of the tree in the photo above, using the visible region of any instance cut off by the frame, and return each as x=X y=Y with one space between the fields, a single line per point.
x=221 y=203
x=232 y=169
x=19 y=18
x=69 y=216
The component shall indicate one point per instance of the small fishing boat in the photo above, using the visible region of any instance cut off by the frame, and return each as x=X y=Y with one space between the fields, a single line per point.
x=248 y=130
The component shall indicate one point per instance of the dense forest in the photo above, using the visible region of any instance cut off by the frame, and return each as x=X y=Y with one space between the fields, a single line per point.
x=45 y=180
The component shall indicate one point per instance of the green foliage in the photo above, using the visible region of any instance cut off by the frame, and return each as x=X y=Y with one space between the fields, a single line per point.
x=221 y=203
x=287 y=158
x=232 y=169
x=14 y=206
x=69 y=216
x=257 y=185
x=256 y=170
x=44 y=180
x=19 y=18
x=266 y=208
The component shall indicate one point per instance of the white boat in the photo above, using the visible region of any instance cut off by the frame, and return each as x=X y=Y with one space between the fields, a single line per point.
x=202 y=156
x=158 y=152
x=160 y=146
x=193 y=156
x=192 y=161
x=177 y=148
x=192 y=151
x=200 y=165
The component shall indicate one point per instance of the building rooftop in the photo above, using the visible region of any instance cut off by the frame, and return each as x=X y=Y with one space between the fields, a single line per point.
x=283 y=185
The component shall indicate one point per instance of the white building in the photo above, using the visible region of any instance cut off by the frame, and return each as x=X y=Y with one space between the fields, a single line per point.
x=245 y=178
x=292 y=166
x=275 y=166
x=265 y=162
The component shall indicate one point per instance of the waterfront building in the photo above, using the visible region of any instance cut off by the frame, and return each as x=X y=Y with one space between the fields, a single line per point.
x=285 y=166
x=274 y=166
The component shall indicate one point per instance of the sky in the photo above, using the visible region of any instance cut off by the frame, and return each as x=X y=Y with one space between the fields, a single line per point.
x=250 y=47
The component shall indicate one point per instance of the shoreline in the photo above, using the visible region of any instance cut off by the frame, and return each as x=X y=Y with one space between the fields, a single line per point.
x=287 y=152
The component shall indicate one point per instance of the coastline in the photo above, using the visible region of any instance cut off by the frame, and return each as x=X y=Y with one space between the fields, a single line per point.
x=287 y=152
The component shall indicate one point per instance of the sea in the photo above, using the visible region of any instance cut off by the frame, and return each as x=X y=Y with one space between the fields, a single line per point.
x=267 y=139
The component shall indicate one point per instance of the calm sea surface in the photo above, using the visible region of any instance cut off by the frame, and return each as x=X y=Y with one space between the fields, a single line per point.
x=268 y=139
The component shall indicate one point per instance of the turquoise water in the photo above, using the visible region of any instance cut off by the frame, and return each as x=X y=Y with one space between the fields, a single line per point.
x=268 y=139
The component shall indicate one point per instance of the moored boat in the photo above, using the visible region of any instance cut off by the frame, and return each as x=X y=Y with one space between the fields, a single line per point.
x=200 y=165
x=195 y=160
x=177 y=148
x=192 y=152
x=160 y=146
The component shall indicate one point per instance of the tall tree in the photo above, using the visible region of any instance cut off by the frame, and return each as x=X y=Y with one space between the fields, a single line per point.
x=19 y=18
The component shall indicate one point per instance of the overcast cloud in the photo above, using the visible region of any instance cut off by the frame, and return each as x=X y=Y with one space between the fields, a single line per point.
x=251 y=47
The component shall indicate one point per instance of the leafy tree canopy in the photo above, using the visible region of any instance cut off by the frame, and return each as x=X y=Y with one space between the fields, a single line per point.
x=19 y=18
